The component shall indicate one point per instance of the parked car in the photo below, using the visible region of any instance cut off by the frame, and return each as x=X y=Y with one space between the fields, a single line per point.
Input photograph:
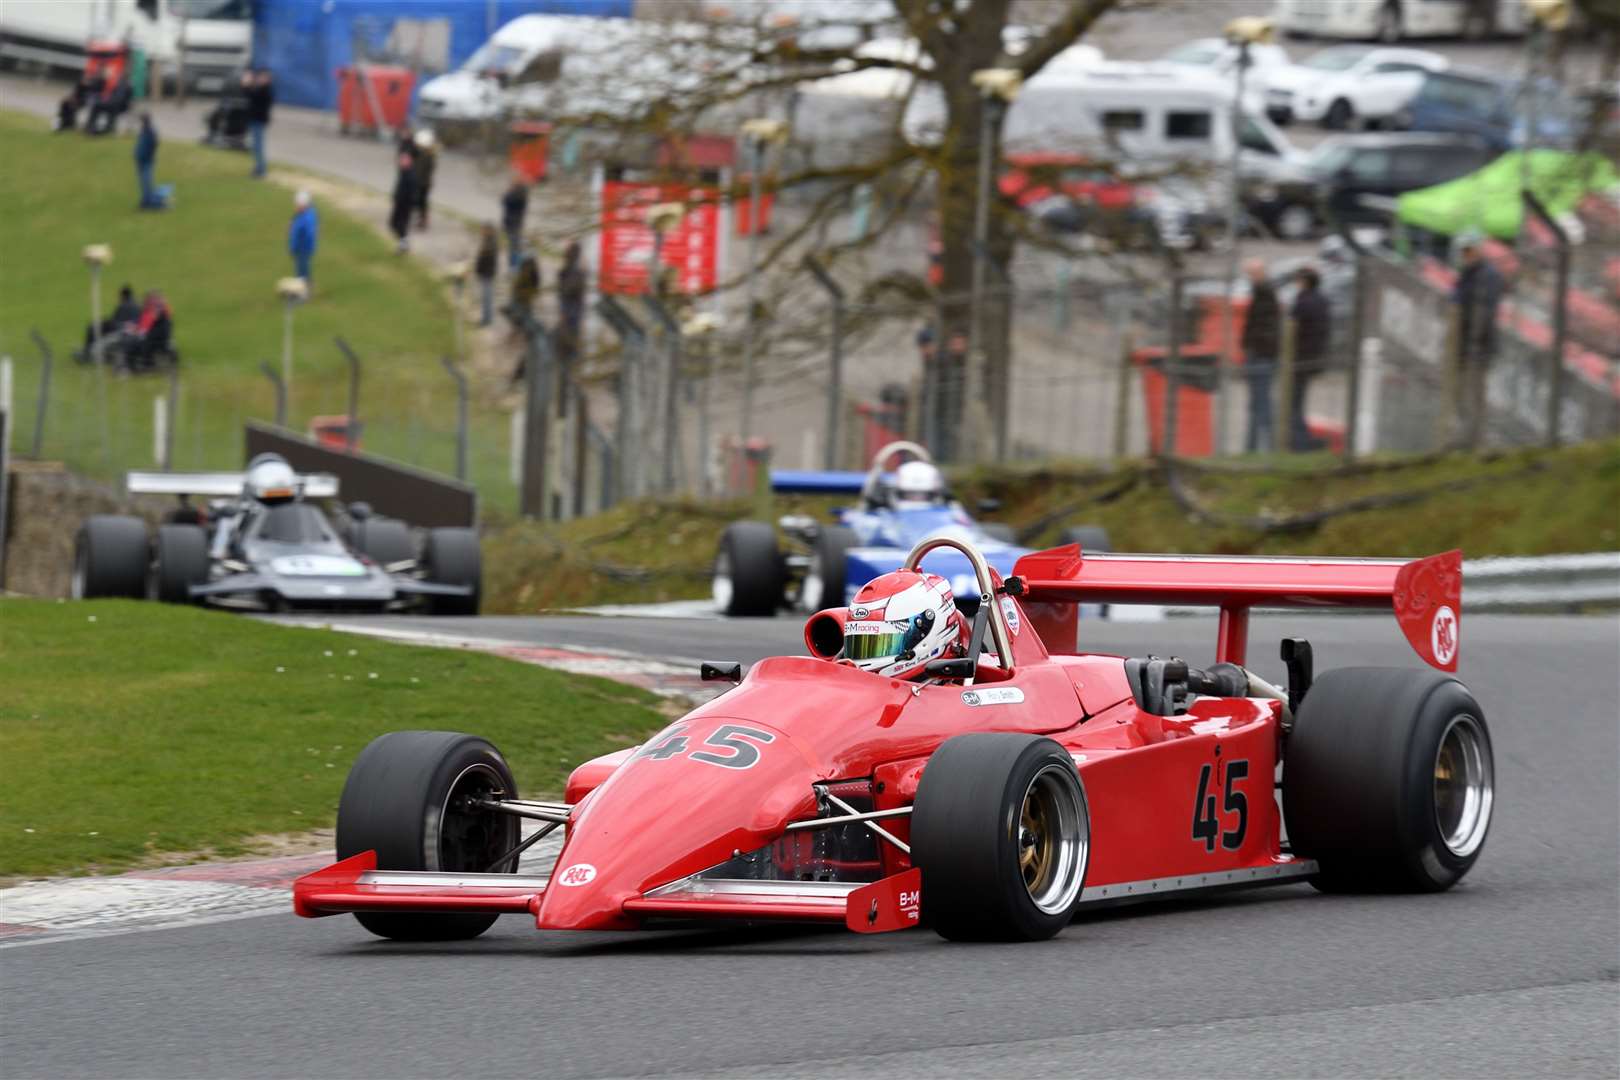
x=1494 y=108
x=1348 y=83
x=1350 y=166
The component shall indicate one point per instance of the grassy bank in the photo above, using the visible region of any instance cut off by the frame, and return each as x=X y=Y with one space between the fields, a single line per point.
x=128 y=730
x=217 y=256
x=1522 y=502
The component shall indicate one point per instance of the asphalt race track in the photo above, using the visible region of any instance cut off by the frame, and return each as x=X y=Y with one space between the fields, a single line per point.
x=1516 y=972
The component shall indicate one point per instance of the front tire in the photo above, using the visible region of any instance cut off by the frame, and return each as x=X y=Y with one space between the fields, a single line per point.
x=452 y=557
x=1339 y=115
x=181 y=561
x=1389 y=780
x=1296 y=222
x=110 y=558
x=1002 y=834
x=747 y=577
x=407 y=798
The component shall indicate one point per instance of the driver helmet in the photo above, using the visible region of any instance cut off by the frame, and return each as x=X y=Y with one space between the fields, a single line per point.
x=270 y=479
x=919 y=482
x=900 y=621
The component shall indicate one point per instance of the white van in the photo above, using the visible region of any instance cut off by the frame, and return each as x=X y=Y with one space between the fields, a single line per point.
x=216 y=36
x=1125 y=111
x=529 y=50
x=1390 y=21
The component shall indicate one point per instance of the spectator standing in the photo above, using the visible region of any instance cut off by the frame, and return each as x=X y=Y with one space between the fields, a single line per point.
x=1477 y=294
x=399 y=220
x=485 y=266
x=303 y=235
x=571 y=300
x=514 y=208
x=261 y=97
x=146 y=150
x=1262 y=333
x=1312 y=325
x=427 y=158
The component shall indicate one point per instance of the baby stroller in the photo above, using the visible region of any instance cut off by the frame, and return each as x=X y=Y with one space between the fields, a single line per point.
x=228 y=121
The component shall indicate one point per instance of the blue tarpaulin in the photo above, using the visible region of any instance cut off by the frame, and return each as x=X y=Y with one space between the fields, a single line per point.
x=305 y=42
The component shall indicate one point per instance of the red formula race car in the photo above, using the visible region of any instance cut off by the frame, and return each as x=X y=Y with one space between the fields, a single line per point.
x=1013 y=786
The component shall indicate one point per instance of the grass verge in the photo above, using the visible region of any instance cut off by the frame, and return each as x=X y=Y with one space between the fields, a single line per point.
x=128 y=730
x=1519 y=502
x=217 y=256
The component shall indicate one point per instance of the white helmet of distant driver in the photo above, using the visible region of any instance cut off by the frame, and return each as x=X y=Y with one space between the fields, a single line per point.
x=271 y=479
x=919 y=482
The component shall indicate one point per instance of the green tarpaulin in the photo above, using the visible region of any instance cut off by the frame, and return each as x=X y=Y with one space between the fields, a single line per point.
x=1488 y=201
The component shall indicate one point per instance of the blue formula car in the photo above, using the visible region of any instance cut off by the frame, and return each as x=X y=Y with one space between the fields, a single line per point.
x=826 y=562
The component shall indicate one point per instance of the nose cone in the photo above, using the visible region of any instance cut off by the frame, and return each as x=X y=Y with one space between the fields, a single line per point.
x=700 y=791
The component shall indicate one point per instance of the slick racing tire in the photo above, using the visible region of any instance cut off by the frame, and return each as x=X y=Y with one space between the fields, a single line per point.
x=1388 y=780
x=384 y=540
x=180 y=560
x=1002 y=834
x=407 y=799
x=999 y=530
x=452 y=557
x=825 y=581
x=110 y=558
x=747 y=570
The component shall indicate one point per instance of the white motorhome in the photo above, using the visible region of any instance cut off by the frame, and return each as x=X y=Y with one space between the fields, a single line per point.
x=213 y=38
x=1390 y=21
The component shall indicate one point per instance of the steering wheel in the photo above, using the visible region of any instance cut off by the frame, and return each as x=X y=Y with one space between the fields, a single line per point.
x=874 y=476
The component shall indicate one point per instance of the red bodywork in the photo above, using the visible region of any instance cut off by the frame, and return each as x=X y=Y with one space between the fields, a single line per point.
x=725 y=780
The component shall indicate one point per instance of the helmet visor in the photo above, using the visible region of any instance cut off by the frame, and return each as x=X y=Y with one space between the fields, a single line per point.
x=869 y=645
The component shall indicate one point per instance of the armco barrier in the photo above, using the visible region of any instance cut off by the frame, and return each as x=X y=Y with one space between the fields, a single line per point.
x=1542 y=582
x=394 y=490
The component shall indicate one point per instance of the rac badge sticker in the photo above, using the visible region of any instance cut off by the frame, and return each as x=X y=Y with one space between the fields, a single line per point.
x=1443 y=635
x=995 y=695
x=1010 y=609
x=581 y=873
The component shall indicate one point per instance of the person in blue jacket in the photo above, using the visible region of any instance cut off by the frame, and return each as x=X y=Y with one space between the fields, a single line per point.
x=303 y=234
x=146 y=148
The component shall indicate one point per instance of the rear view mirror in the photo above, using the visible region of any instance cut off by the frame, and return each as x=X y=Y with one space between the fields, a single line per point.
x=960 y=667
x=720 y=671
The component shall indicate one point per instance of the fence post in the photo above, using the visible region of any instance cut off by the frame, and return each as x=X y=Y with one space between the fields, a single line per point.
x=173 y=417
x=1283 y=436
x=536 y=416
x=1122 y=397
x=46 y=359
x=281 y=392
x=461 y=415
x=1172 y=368
x=1560 y=313
x=670 y=398
x=632 y=340
x=1451 y=424
x=835 y=360
x=353 y=426
x=1358 y=330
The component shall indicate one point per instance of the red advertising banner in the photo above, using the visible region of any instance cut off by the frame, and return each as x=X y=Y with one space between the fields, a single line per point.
x=692 y=247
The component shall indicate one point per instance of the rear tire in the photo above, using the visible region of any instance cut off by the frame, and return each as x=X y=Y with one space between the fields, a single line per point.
x=110 y=558
x=1002 y=834
x=384 y=540
x=405 y=799
x=748 y=570
x=181 y=560
x=1388 y=780
x=452 y=557
x=825 y=582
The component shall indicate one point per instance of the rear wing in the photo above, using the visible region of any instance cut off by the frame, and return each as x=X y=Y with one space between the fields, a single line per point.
x=817 y=482
x=1425 y=595
x=219 y=484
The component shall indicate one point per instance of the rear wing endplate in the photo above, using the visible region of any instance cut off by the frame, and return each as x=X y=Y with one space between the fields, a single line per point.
x=219 y=484
x=1425 y=595
x=817 y=482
